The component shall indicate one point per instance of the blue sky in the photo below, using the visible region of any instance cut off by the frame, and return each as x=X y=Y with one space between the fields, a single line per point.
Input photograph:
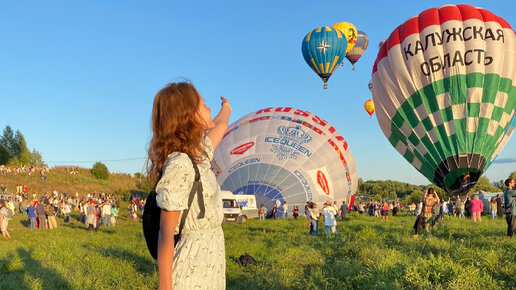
x=78 y=78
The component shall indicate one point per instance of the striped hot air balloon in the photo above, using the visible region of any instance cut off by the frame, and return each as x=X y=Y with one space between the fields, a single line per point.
x=354 y=54
x=323 y=50
x=443 y=88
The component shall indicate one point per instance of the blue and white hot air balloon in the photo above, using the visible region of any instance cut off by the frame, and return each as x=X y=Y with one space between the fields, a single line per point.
x=323 y=49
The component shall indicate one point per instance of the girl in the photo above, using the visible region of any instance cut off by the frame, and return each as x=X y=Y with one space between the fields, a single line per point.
x=182 y=127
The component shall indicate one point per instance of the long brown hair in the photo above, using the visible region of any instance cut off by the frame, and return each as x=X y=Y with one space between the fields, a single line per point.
x=176 y=126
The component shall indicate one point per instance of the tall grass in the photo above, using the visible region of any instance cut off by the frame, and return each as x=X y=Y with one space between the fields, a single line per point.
x=366 y=254
x=62 y=181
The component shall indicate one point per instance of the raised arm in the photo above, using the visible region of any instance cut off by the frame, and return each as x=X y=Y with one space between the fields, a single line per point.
x=221 y=123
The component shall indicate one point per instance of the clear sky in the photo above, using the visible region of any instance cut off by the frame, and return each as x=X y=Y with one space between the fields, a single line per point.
x=78 y=78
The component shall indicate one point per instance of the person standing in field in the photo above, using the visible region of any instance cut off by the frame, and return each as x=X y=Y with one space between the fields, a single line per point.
x=285 y=210
x=510 y=206
x=91 y=217
x=314 y=219
x=385 y=212
x=114 y=215
x=499 y=202
x=467 y=207
x=493 y=209
x=343 y=210
x=4 y=219
x=274 y=211
x=42 y=218
x=329 y=214
x=32 y=215
x=182 y=130
x=476 y=209
x=262 y=211
x=295 y=211
x=51 y=216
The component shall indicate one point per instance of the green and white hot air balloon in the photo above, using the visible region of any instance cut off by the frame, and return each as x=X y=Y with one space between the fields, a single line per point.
x=444 y=92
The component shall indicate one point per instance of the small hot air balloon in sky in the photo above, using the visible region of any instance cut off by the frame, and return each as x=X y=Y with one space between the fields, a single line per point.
x=354 y=54
x=323 y=49
x=444 y=92
x=370 y=86
x=381 y=43
x=369 y=107
x=349 y=31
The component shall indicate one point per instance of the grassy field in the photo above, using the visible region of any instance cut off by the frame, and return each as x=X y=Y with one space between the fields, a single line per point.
x=366 y=254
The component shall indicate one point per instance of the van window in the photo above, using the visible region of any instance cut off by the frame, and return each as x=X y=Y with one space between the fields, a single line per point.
x=229 y=203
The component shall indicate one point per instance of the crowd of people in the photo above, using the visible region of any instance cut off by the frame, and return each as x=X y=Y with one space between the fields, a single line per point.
x=43 y=211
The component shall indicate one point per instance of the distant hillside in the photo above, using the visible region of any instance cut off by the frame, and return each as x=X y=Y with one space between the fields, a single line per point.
x=83 y=182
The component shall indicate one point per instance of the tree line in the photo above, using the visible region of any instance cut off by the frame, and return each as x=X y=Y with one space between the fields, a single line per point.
x=14 y=150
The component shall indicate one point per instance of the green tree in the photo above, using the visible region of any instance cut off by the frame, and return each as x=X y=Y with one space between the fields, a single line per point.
x=36 y=159
x=8 y=141
x=378 y=197
x=22 y=152
x=512 y=175
x=100 y=171
x=483 y=184
x=4 y=155
x=415 y=196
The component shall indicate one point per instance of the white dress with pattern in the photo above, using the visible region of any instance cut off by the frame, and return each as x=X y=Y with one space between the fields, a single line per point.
x=199 y=259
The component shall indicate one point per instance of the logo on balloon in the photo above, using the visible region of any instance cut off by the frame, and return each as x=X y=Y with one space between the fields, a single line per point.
x=289 y=144
x=323 y=182
x=239 y=150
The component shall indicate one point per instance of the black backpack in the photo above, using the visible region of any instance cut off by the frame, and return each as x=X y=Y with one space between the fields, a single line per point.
x=152 y=213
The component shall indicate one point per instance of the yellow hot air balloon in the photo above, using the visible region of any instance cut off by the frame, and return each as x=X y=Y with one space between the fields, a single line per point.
x=369 y=107
x=349 y=31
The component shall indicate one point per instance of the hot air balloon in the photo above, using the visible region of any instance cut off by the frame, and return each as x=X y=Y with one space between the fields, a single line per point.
x=381 y=43
x=443 y=87
x=354 y=54
x=323 y=50
x=285 y=154
x=370 y=86
x=349 y=31
x=369 y=107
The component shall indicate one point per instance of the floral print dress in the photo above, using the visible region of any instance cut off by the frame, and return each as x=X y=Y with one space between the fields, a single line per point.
x=199 y=258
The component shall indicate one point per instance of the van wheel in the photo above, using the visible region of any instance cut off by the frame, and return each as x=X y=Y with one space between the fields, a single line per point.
x=241 y=219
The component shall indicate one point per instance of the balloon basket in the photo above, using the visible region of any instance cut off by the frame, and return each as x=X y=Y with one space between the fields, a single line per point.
x=325 y=86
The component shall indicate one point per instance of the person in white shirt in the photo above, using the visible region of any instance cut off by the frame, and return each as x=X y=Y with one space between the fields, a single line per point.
x=67 y=211
x=285 y=210
x=106 y=211
x=329 y=214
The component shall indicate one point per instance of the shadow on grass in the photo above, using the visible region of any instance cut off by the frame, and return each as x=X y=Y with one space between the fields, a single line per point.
x=25 y=222
x=141 y=264
x=49 y=278
x=84 y=228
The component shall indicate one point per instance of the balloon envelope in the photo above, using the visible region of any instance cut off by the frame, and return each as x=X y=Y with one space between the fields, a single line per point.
x=354 y=54
x=443 y=87
x=349 y=31
x=323 y=49
x=285 y=154
x=369 y=107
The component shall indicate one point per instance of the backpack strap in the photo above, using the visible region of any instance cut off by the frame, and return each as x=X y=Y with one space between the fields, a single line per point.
x=196 y=188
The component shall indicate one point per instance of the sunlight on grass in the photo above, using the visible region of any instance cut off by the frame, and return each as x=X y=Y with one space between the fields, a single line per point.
x=365 y=254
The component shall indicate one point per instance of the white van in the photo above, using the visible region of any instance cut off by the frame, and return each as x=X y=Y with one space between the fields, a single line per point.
x=230 y=206
x=247 y=203
x=238 y=207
